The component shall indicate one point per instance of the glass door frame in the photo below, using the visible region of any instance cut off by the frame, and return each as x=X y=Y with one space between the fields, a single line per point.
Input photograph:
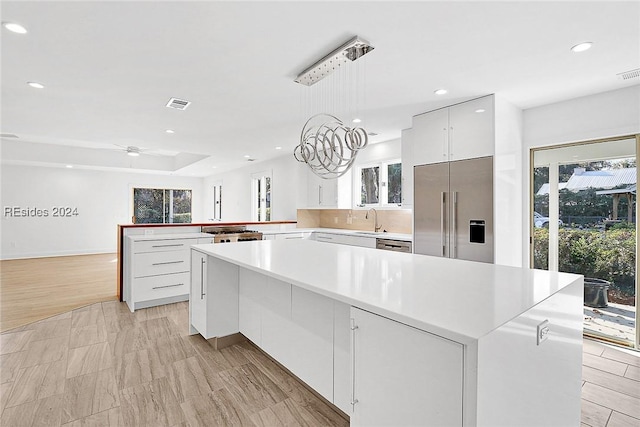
x=553 y=237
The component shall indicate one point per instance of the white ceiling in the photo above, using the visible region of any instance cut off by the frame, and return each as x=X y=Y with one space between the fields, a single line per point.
x=109 y=68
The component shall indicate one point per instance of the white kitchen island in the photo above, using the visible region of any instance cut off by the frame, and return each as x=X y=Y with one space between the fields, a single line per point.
x=401 y=339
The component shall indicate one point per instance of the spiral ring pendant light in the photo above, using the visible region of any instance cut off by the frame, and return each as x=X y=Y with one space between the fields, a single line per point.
x=327 y=145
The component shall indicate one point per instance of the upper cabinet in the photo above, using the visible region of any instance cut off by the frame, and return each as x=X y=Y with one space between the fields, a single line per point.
x=461 y=131
x=407 y=167
x=321 y=193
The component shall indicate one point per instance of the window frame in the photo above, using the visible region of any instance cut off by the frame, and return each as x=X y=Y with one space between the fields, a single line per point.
x=134 y=187
x=383 y=184
x=258 y=215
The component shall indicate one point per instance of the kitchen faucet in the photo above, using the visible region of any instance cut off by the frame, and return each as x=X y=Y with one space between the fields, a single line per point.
x=376 y=227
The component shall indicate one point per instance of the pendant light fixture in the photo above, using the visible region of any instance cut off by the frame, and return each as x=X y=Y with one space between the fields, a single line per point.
x=327 y=144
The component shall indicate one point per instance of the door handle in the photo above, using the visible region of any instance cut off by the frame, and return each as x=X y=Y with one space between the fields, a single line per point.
x=202 y=278
x=455 y=225
x=353 y=328
x=442 y=206
x=168 y=262
x=445 y=141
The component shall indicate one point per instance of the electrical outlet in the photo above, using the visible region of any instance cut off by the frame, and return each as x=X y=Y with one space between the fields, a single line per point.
x=335 y=219
x=148 y=232
x=13 y=245
x=542 y=332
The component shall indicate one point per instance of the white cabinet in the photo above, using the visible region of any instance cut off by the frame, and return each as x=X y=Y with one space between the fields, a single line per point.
x=471 y=129
x=416 y=380
x=306 y=332
x=311 y=340
x=286 y=236
x=276 y=320
x=250 y=301
x=407 y=167
x=461 y=131
x=197 y=302
x=158 y=271
x=321 y=193
x=213 y=305
x=431 y=137
x=343 y=239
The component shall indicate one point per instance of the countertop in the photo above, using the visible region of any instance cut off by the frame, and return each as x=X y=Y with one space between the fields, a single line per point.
x=342 y=231
x=456 y=299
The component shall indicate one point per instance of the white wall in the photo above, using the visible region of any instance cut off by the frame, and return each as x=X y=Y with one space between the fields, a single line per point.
x=103 y=200
x=602 y=115
x=288 y=182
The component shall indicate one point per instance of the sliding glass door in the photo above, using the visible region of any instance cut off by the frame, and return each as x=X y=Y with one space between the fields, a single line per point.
x=583 y=220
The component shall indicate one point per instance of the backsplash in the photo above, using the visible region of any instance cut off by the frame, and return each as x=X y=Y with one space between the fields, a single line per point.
x=392 y=220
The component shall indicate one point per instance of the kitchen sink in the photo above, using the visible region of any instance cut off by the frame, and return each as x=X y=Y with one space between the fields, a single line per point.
x=369 y=233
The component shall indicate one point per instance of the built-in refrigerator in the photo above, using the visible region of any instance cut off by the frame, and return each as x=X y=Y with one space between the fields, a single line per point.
x=453 y=209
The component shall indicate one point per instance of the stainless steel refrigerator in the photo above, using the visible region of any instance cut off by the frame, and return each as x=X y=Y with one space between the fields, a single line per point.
x=453 y=209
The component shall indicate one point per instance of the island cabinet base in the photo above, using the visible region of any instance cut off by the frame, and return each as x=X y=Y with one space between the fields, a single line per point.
x=305 y=332
x=381 y=368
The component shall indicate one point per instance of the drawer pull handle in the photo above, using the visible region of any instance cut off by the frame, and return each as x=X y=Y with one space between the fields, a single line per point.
x=168 y=262
x=167 y=246
x=168 y=286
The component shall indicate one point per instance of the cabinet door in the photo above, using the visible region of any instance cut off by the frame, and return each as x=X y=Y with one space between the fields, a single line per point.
x=311 y=340
x=471 y=129
x=321 y=192
x=431 y=137
x=407 y=167
x=276 y=321
x=197 y=297
x=251 y=295
x=341 y=357
x=404 y=376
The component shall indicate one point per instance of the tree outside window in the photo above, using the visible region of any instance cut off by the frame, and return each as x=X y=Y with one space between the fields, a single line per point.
x=158 y=205
x=379 y=184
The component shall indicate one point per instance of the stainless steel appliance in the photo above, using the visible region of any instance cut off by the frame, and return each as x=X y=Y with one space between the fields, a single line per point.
x=234 y=233
x=453 y=209
x=393 y=245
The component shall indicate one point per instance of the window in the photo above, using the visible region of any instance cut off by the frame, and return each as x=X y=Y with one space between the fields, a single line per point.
x=379 y=184
x=261 y=197
x=156 y=205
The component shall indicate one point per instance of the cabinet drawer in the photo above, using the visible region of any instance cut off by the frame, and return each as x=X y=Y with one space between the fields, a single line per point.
x=154 y=287
x=162 y=245
x=155 y=263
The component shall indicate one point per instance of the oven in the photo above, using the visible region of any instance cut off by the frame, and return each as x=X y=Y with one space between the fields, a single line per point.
x=230 y=234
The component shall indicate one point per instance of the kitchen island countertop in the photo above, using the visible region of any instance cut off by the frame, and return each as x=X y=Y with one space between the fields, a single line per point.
x=456 y=299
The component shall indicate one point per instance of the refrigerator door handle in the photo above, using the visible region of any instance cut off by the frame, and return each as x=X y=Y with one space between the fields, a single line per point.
x=455 y=225
x=442 y=206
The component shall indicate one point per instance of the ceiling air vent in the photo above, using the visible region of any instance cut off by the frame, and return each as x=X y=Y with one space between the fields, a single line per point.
x=632 y=74
x=178 y=104
x=8 y=135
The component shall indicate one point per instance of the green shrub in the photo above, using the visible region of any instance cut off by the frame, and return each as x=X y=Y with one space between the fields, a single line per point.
x=604 y=255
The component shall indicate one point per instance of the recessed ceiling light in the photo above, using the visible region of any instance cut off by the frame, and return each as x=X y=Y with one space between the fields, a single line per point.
x=581 y=47
x=356 y=120
x=70 y=166
x=480 y=110
x=246 y=156
x=14 y=28
x=170 y=131
x=278 y=148
x=440 y=91
x=36 y=85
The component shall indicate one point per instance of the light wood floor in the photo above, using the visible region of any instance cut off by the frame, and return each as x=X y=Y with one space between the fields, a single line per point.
x=103 y=365
x=37 y=288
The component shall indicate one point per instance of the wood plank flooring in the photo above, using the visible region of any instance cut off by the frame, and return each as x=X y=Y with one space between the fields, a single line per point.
x=37 y=288
x=103 y=365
